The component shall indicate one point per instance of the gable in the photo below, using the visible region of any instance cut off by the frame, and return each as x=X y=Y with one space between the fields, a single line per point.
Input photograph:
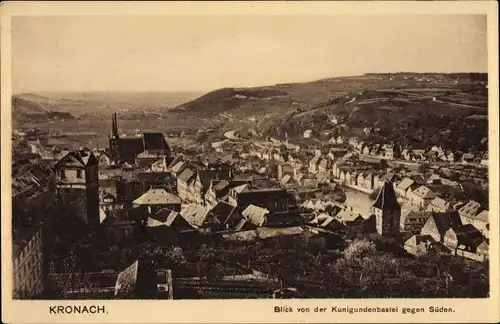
x=70 y=159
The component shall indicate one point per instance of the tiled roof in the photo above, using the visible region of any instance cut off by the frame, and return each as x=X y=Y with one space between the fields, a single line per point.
x=154 y=141
x=257 y=215
x=439 y=202
x=222 y=211
x=157 y=197
x=195 y=214
x=470 y=209
x=187 y=175
x=405 y=184
x=445 y=221
x=424 y=192
x=483 y=216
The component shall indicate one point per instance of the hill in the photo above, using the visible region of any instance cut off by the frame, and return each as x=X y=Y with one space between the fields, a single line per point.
x=35 y=108
x=406 y=107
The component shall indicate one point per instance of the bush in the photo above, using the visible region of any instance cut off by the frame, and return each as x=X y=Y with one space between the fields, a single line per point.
x=359 y=249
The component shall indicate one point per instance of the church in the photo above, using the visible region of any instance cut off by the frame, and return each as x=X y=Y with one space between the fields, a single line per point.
x=125 y=149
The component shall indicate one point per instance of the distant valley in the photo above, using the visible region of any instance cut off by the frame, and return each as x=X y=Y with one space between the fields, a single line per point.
x=413 y=108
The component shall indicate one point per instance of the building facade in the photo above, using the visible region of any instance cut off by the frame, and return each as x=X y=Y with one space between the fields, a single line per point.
x=77 y=186
x=387 y=211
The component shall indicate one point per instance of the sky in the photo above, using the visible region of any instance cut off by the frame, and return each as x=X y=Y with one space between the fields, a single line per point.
x=201 y=53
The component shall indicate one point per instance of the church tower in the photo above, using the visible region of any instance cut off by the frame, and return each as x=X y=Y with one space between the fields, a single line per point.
x=387 y=210
x=113 y=140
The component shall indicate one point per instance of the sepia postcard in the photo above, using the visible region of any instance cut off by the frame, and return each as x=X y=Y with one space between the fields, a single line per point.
x=250 y=162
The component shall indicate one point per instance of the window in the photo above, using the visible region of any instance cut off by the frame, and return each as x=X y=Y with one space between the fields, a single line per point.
x=62 y=174
x=79 y=174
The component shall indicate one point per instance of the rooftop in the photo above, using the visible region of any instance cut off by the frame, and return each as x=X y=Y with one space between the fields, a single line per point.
x=386 y=199
x=157 y=196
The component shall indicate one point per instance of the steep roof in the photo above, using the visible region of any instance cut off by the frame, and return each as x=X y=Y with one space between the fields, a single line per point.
x=405 y=184
x=206 y=176
x=187 y=175
x=157 y=196
x=424 y=192
x=196 y=215
x=77 y=158
x=439 y=202
x=386 y=199
x=470 y=209
x=222 y=210
x=154 y=141
x=221 y=185
x=256 y=215
x=390 y=177
x=445 y=221
x=482 y=216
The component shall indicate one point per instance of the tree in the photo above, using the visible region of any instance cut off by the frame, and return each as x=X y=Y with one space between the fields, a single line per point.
x=359 y=249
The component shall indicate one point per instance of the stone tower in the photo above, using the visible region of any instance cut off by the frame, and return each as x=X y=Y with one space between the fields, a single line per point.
x=387 y=210
x=77 y=185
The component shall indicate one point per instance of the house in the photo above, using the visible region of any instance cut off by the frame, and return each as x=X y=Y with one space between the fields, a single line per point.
x=482 y=250
x=324 y=167
x=203 y=180
x=146 y=159
x=387 y=211
x=308 y=133
x=404 y=188
x=281 y=204
x=484 y=159
x=328 y=223
x=466 y=235
x=355 y=222
x=414 y=221
x=255 y=215
x=165 y=225
x=290 y=182
x=470 y=214
x=216 y=191
x=226 y=215
x=178 y=167
x=422 y=196
x=185 y=181
x=160 y=165
x=368 y=181
x=28 y=263
x=418 y=244
x=157 y=179
x=440 y=205
x=285 y=169
x=314 y=164
x=392 y=177
x=439 y=223
x=468 y=158
x=158 y=198
x=200 y=217
x=450 y=157
x=107 y=201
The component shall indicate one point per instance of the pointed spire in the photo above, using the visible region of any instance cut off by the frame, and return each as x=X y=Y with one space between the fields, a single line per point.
x=386 y=199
